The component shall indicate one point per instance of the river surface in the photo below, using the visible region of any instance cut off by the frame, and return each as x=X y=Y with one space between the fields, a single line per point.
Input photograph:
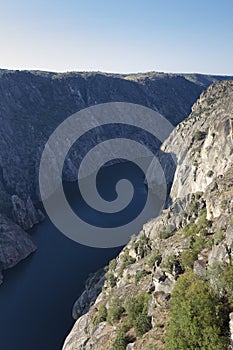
x=37 y=295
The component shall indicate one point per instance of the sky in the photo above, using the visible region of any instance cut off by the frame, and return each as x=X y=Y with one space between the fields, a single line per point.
x=125 y=36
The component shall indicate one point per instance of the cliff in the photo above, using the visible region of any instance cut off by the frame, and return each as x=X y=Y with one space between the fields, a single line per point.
x=193 y=236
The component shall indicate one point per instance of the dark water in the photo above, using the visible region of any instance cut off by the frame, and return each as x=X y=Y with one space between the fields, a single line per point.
x=37 y=295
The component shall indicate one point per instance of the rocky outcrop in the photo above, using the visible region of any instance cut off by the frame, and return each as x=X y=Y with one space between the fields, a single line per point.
x=93 y=287
x=25 y=214
x=15 y=244
x=194 y=232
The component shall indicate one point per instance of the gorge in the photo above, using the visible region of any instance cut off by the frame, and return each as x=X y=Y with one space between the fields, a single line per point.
x=38 y=294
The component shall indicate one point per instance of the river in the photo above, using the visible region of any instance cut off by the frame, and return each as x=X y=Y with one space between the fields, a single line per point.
x=37 y=295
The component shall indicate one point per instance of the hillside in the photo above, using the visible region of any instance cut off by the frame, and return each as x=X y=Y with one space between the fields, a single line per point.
x=171 y=286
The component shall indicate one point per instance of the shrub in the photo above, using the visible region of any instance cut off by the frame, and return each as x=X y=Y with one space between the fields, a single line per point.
x=166 y=232
x=121 y=341
x=111 y=280
x=142 y=324
x=199 y=135
x=141 y=245
x=187 y=259
x=201 y=226
x=127 y=259
x=140 y=274
x=210 y=173
x=171 y=260
x=194 y=317
x=101 y=315
x=137 y=308
x=153 y=258
x=112 y=265
x=190 y=255
x=115 y=310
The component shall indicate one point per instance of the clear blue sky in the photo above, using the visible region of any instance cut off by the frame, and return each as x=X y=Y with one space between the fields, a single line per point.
x=117 y=35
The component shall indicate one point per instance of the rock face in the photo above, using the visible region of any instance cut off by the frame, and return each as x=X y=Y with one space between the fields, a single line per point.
x=25 y=214
x=198 y=152
x=33 y=104
x=200 y=216
x=15 y=244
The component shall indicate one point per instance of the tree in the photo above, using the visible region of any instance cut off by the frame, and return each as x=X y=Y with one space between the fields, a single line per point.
x=195 y=317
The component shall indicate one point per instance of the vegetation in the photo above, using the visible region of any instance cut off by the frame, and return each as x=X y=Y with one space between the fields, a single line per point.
x=115 y=310
x=142 y=324
x=201 y=226
x=210 y=173
x=121 y=340
x=111 y=280
x=140 y=275
x=187 y=259
x=218 y=235
x=101 y=315
x=188 y=256
x=142 y=246
x=170 y=262
x=112 y=265
x=127 y=260
x=165 y=233
x=136 y=309
x=199 y=135
x=153 y=258
x=195 y=322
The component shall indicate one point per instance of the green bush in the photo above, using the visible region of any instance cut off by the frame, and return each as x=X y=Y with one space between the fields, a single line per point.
x=140 y=274
x=165 y=233
x=142 y=246
x=115 y=310
x=201 y=226
x=136 y=306
x=195 y=321
x=136 y=309
x=153 y=258
x=171 y=260
x=101 y=315
x=188 y=256
x=112 y=265
x=121 y=341
x=187 y=259
x=142 y=324
x=111 y=280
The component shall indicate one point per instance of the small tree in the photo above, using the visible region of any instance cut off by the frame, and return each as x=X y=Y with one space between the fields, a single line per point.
x=195 y=320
